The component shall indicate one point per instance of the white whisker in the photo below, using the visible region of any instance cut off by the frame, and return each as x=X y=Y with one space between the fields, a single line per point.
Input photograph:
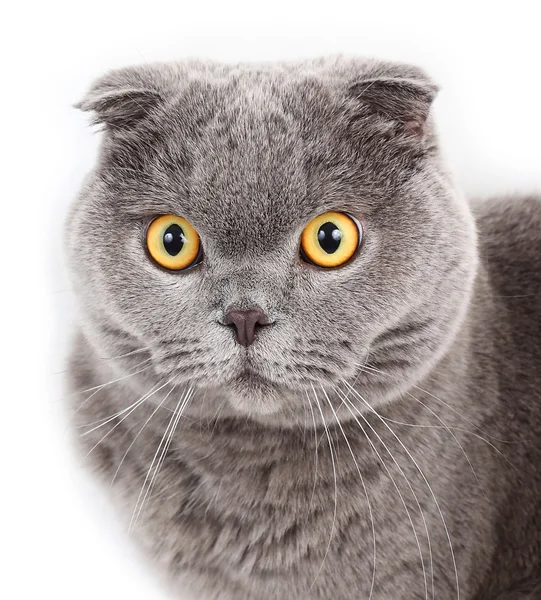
x=373 y=369
x=86 y=400
x=495 y=448
x=455 y=438
x=335 y=489
x=349 y=404
x=163 y=446
x=426 y=482
x=134 y=407
x=453 y=428
x=364 y=488
x=162 y=441
x=166 y=448
x=123 y=378
x=316 y=452
x=103 y=421
x=140 y=431
x=124 y=355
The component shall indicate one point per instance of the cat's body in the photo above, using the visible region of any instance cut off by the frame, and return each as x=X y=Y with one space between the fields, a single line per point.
x=250 y=504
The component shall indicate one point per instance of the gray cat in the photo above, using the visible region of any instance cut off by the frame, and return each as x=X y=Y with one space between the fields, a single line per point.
x=307 y=365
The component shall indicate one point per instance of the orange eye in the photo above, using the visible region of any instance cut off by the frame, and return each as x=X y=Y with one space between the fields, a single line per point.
x=331 y=239
x=173 y=243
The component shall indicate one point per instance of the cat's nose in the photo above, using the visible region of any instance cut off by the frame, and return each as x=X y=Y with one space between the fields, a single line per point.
x=245 y=323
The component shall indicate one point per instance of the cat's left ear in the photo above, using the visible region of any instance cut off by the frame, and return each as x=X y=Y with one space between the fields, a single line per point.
x=403 y=100
x=121 y=98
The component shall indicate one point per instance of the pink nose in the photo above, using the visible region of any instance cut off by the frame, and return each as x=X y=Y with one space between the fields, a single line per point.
x=245 y=322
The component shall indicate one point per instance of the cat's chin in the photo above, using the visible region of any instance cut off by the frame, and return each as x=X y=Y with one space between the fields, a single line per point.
x=251 y=394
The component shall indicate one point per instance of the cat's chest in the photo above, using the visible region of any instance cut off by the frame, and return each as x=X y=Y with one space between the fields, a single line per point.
x=252 y=507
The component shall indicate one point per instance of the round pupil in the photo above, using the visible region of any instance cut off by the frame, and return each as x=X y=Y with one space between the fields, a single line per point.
x=173 y=239
x=329 y=237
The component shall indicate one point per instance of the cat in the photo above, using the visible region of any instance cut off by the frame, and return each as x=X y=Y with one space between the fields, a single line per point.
x=305 y=364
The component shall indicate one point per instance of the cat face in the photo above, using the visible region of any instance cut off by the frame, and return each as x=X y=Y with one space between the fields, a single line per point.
x=248 y=157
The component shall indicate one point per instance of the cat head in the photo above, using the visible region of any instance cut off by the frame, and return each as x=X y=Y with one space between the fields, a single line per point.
x=198 y=242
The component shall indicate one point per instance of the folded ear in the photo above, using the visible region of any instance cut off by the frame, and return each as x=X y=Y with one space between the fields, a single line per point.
x=404 y=100
x=123 y=97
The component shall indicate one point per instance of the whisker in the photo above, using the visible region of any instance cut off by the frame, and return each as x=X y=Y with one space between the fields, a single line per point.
x=215 y=497
x=303 y=427
x=162 y=441
x=124 y=355
x=166 y=449
x=495 y=448
x=456 y=440
x=135 y=406
x=217 y=415
x=335 y=488
x=124 y=377
x=367 y=367
x=103 y=421
x=453 y=428
x=426 y=482
x=348 y=403
x=140 y=431
x=163 y=446
x=364 y=488
x=86 y=400
x=316 y=452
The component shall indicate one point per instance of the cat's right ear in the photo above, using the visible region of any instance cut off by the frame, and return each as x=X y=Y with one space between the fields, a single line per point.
x=121 y=98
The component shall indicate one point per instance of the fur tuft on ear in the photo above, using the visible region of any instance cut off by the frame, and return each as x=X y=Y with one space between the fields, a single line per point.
x=404 y=100
x=122 y=98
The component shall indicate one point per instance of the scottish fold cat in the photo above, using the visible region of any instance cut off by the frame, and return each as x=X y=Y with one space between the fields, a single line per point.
x=305 y=364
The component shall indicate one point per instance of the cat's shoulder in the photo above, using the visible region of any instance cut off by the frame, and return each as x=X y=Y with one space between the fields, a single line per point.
x=509 y=230
x=509 y=218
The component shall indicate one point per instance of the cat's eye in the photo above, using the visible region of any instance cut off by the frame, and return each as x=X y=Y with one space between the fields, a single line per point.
x=331 y=239
x=173 y=243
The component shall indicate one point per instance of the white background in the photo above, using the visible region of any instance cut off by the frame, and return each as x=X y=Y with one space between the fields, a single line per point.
x=58 y=534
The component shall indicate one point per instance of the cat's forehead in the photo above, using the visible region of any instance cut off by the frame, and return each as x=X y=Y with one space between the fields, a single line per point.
x=250 y=164
x=255 y=152
x=250 y=158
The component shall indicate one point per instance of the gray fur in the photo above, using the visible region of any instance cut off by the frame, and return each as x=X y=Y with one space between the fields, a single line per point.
x=443 y=299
